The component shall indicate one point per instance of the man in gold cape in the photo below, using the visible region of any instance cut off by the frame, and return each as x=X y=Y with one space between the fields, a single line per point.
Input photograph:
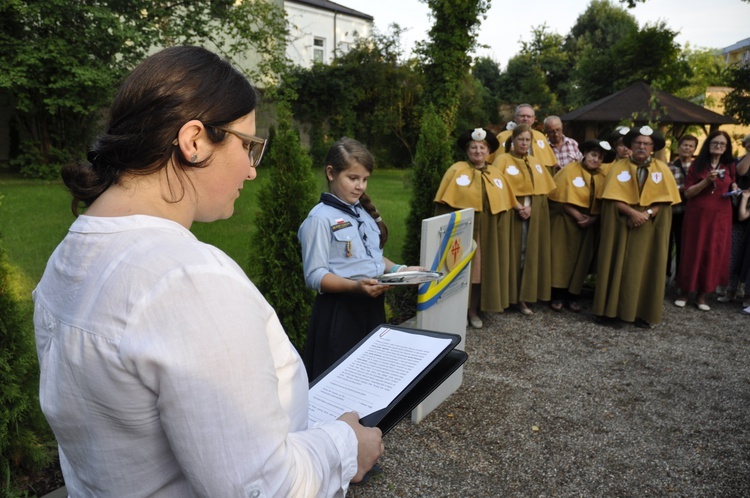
x=530 y=267
x=635 y=233
x=540 y=148
x=574 y=246
x=486 y=192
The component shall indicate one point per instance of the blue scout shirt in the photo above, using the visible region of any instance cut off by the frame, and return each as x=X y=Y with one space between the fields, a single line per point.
x=337 y=242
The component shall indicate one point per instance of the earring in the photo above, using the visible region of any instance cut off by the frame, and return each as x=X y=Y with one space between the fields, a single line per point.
x=194 y=158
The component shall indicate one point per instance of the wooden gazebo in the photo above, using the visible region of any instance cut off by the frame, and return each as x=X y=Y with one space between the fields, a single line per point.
x=640 y=103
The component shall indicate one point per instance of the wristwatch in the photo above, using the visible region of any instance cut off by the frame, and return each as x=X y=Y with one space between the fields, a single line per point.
x=650 y=212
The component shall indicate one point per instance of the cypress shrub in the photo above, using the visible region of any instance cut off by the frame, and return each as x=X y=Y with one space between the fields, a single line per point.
x=276 y=254
x=22 y=426
x=433 y=157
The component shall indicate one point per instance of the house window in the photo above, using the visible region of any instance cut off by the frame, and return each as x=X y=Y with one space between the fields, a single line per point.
x=319 y=49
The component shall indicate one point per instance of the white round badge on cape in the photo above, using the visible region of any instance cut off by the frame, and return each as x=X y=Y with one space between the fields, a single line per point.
x=656 y=176
x=624 y=176
x=463 y=180
x=498 y=182
x=578 y=182
x=512 y=170
x=539 y=168
x=540 y=143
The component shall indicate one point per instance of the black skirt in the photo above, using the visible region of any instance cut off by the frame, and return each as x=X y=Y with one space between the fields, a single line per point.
x=338 y=323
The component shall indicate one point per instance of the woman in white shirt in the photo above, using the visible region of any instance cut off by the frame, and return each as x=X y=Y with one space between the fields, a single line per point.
x=164 y=372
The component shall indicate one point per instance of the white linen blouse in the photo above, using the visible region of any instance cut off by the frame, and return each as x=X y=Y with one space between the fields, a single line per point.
x=164 y=372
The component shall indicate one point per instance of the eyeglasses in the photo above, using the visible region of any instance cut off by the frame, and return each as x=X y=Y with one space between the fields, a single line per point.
x=256 y=146
x=718 y=144
x=642 y=144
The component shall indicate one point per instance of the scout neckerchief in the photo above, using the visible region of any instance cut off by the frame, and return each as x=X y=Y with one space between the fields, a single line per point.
x=331 y=200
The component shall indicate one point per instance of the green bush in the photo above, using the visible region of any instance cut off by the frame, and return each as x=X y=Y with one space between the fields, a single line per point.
x=276 y=255
x=22 y=426
x=433 y=157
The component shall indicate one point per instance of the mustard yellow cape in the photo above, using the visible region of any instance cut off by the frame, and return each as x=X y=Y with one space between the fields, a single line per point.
x=540 y=148
x=461 y=188
x=533 y=179
x=573 y=186
x=621 y=184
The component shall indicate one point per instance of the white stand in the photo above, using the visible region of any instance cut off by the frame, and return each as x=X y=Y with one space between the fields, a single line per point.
x=448 y=314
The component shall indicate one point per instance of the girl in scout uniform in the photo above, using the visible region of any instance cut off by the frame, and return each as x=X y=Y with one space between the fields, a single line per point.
x=574 y=220
x=632 y=260
x=531 y=182
x=480 y=186
x=342 y=253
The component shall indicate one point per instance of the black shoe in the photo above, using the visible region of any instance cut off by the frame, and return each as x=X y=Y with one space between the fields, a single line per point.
x=641 y=323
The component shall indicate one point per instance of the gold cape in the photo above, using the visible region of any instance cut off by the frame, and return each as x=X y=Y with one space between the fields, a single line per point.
x=523 y=180
x=573 y=182
x=631 y=266
x=540 y=148
x=621 y=184
x=461 y=188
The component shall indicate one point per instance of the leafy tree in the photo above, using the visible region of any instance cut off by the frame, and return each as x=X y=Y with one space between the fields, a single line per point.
x=737 y=102
x=284 y=201
x=652 y=55
x=487 y=72
x=61 y=61
x=524 y=81
x=367 y=93
x=589 y=45
x=707 y=70
x=445 y=55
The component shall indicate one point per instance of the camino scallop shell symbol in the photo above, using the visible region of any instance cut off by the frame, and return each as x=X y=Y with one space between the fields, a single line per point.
x=463 y=180
x=624 y=176
x=512 y=170
x=578 y=182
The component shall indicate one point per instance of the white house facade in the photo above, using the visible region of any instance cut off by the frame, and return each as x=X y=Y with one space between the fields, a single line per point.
x=319 y=29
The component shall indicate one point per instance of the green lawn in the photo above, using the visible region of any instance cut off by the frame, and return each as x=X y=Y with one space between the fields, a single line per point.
x=35 y=215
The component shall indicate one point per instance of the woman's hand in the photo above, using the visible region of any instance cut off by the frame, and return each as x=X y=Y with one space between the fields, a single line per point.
x=371 y=287
x=524 y=212
x=586 y=220
x=369 y=444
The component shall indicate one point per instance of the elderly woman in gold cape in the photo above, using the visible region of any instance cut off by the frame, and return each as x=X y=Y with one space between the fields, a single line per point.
x=632 y=261
x=477 y=185
x=574 y=219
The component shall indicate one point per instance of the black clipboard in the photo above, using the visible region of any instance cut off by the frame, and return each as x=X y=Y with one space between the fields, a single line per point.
x=437 y=372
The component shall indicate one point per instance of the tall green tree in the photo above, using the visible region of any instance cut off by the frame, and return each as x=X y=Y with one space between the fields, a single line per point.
x=737 y=102
x=445 y=54
x=276 y=254
x=62 y=61
x=589 y=46
x=369 y=93
x=707 y=70
x=446 y=66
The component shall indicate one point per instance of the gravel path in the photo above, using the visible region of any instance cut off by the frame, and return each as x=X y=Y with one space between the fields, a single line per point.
x=557 y=405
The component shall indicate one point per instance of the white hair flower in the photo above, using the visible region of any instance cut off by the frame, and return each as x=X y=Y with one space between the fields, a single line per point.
x=478 y=134
x=511 y=125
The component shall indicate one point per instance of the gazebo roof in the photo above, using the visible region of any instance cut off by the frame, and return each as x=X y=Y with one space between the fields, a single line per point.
x=634 y=103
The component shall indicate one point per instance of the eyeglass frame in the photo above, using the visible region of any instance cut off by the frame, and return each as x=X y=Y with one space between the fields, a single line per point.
x=253 y=142
x=718 y=144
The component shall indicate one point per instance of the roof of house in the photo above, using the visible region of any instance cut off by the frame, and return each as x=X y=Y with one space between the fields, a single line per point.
x=634 y=103
x=334 y=7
